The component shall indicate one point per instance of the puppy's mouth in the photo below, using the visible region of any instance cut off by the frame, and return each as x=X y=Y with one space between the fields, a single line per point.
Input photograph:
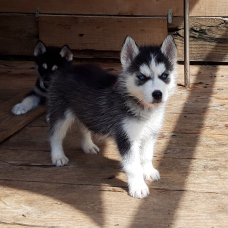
x=156 y=102
x=152 y=104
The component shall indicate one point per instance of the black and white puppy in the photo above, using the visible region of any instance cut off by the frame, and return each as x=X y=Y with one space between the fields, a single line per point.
x=48 y=60
x=130 y=107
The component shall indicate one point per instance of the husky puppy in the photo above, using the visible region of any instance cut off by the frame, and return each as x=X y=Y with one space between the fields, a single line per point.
x=48 y=60
x=129 y=107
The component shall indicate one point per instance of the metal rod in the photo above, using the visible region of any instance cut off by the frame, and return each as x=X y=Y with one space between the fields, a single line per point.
x=186 y=44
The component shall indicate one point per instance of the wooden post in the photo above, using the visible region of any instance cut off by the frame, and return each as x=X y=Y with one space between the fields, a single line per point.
x=186 y=44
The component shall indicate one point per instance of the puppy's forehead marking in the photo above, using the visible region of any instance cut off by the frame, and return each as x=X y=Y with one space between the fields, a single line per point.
x=144 y=69
x=157 y=68
x=44 y=65
x=54 y=67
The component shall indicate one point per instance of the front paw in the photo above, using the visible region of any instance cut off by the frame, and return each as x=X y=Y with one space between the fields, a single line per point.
x=138 y=189
x=90 y=148
x=151 y=174
x=59 y=160
x=19 y=109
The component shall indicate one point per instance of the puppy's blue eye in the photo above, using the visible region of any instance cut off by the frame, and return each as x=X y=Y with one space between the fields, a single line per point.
x=164 y=76
x=142 y=77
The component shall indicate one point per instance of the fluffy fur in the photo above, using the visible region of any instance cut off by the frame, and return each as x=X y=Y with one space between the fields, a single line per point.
x=129 y=107
x=48 y=60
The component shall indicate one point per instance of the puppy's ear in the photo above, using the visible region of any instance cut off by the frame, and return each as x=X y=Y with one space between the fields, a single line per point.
x=66 y=53
x=128 y=52
x=168 y=48
x=40 y=48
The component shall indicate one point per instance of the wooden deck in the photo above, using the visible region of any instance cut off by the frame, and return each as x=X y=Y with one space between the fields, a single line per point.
x=191 y=155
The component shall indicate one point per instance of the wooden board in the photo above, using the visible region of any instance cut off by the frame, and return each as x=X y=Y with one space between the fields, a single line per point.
x=117 y=7
x=9 y=123
x=16 y=77
x=19 y=34
x=190 y=153
x=100 y=33
x=208 y=38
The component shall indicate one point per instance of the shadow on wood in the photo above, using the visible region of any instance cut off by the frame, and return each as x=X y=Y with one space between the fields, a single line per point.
x=171 y=199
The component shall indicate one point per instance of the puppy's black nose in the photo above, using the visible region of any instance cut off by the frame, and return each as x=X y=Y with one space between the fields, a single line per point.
x=157 y=95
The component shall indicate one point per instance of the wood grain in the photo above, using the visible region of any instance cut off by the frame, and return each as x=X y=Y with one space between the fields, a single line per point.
x=117 y=7
x=19 y=34
x=190 y=153
x=208 y=38
x=100 y=33
x=16 y=77
x=9 y=123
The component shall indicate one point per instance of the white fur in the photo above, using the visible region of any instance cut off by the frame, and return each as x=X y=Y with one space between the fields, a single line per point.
x=42 y=84
x=129 y=51
x=54 y=68
x=144 y=92
x=156 y=68
x=138 y=162
x=26 y=105
x=44 y=65
x=131 y=162
x=60 y=129
x=142 y=132
x=39 y=49
x=87 y=144
x=66 y=53
x=145 y=70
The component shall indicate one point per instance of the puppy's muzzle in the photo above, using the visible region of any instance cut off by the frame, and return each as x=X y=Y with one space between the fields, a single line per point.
x=157 y=95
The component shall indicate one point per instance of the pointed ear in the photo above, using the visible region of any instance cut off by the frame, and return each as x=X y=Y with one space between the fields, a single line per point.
x=168 y=48
x=40 y=48
x=66 y=53
x=128 y=52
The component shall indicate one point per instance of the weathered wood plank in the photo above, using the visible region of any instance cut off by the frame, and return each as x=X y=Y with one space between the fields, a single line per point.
x=9 y=123
x=117 y=7
x=208 y=38
x=100 y=33
x=19 y=34
x=96 y=54
x=15 y=77
x=190 y=153
x=95 y=206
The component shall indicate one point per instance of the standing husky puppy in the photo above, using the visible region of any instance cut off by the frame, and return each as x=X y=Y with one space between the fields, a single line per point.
x=48 y=60
x=130 y=108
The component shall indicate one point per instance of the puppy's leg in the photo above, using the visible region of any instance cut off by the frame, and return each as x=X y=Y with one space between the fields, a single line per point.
x=129 y=150
x=58 y=131
x=87 y=144
x=146 y=156
x=31 y=101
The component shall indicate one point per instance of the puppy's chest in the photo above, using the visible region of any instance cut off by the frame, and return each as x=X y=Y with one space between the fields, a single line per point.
x=136 y=130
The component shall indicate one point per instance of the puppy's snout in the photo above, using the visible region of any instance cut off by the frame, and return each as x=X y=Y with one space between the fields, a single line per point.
x=157 y=95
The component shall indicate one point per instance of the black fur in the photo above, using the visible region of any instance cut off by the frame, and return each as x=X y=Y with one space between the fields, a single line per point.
x=144 y=57
x=89 y=90
x=123 y=142
x=51 y=57
x=108 y=105
x=48 y=57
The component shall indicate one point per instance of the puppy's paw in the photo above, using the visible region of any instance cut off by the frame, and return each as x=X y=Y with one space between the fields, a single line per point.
x=20 y=109
x=90 y=148
x=138 y=189
x=151 y=174
x=59 y=160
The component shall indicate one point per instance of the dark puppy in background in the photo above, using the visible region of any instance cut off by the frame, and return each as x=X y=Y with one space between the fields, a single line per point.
x=48 y=60
x=129 y=108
